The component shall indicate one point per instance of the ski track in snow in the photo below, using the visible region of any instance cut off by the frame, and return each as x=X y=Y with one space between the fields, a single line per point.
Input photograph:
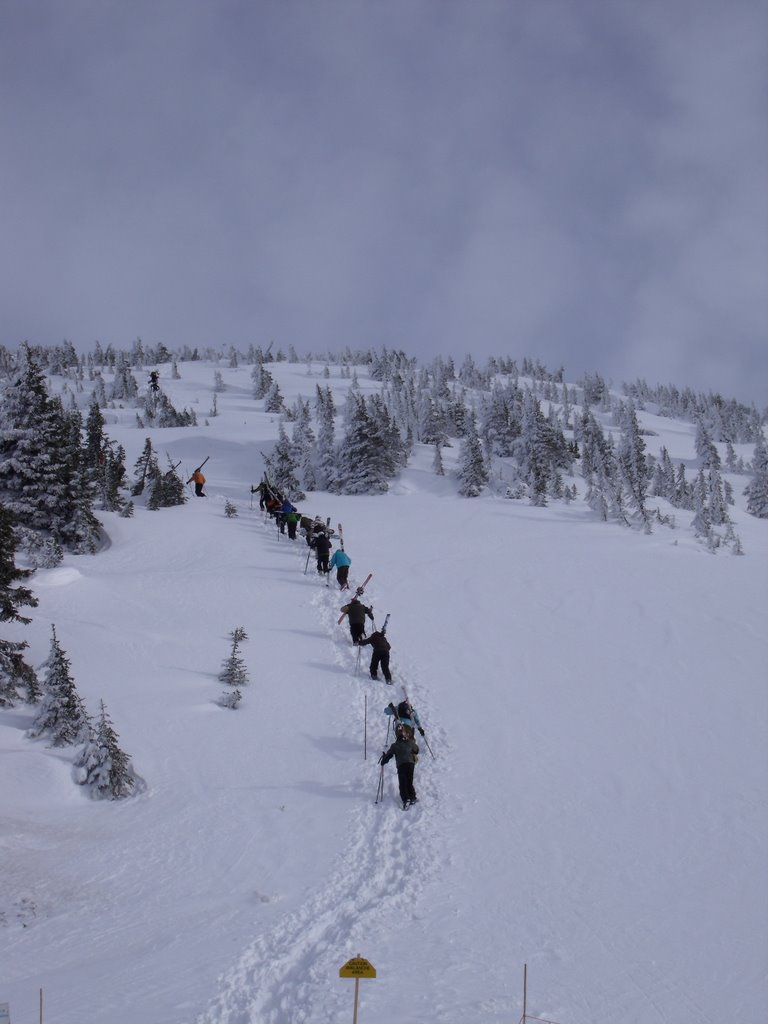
x=283 y=975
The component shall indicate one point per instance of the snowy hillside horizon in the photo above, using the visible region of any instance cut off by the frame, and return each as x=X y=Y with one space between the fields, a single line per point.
x=577 y=589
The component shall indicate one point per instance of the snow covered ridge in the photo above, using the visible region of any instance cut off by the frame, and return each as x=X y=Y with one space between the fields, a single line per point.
x=531 y=437
x=594 y=696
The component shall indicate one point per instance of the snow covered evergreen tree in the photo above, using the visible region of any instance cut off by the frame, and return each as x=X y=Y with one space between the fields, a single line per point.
x=62 y=713
x=605 y=492
x=325 y=448
x=112 y=477
x=43 y=473
x=700 y=522
x=15 y=673
x=756 y=491
x=159 y=411
x=102 y=765
x=632 y=463
x=683 y=490
x=234 y=671
x=303 y=441
x=124 y=386
x=472 y=473
x=94 y=437
x=663 y=477
x=500 y=422
x=718 y=507
x=273 y=399
x=145 y=469
x=104 y=461
x=165 y=489
x=531 y=450
x=262 y=380
x=709 y=457
x=361 y=461
x=430 y=421
x=391 y=449
x=281 y=466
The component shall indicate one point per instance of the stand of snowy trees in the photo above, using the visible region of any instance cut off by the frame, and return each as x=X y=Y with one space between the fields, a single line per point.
x=61 y=717
x=521 y=431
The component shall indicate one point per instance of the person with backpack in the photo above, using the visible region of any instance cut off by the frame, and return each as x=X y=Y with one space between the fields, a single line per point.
x=322 y=547
x=404 y=714
x=282 y=516
x=357 y=612
x=340 y=561
x=405 y=751
x=261 y=490
x=292 y=521
x=305 y=525
x=380 y=654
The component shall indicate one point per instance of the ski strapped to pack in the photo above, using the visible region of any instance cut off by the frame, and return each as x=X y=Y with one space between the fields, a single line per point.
x=422 y=733
x=358 y=593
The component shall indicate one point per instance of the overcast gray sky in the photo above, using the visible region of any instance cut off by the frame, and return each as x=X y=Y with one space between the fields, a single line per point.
x=580 y=181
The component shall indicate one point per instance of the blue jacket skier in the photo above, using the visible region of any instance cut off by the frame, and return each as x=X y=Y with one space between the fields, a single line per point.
x=340 y=561
x=282 y=513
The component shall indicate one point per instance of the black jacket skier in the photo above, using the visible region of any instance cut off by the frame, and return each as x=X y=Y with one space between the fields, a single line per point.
x=405 y=751
x=380 y=655
x=322 y=550
x=357 y=611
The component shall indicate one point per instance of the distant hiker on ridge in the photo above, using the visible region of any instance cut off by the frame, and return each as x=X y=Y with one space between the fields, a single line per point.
x=199 y=481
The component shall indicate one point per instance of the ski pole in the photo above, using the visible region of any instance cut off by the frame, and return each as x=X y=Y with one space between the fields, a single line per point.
x=357 y=663
x=365 y=727
x=428 y=747
x=380 y=787
x=306 y=564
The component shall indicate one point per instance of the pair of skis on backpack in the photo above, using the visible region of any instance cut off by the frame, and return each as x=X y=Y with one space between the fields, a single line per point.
x=358 y=593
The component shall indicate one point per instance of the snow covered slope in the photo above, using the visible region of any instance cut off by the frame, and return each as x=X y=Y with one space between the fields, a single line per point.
x=595 y=699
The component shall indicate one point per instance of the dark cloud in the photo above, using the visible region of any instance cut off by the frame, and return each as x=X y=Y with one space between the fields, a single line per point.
x=582 y=183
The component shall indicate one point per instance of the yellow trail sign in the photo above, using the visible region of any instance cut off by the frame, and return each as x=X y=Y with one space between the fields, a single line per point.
x=357 y=967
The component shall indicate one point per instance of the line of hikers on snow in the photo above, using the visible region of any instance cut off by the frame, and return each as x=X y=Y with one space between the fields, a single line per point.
x=317 y=533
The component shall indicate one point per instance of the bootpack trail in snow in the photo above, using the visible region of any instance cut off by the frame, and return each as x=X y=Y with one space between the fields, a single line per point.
x=283 y=975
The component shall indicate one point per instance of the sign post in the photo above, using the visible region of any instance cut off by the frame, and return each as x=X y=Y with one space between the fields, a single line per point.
x=358 y=967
